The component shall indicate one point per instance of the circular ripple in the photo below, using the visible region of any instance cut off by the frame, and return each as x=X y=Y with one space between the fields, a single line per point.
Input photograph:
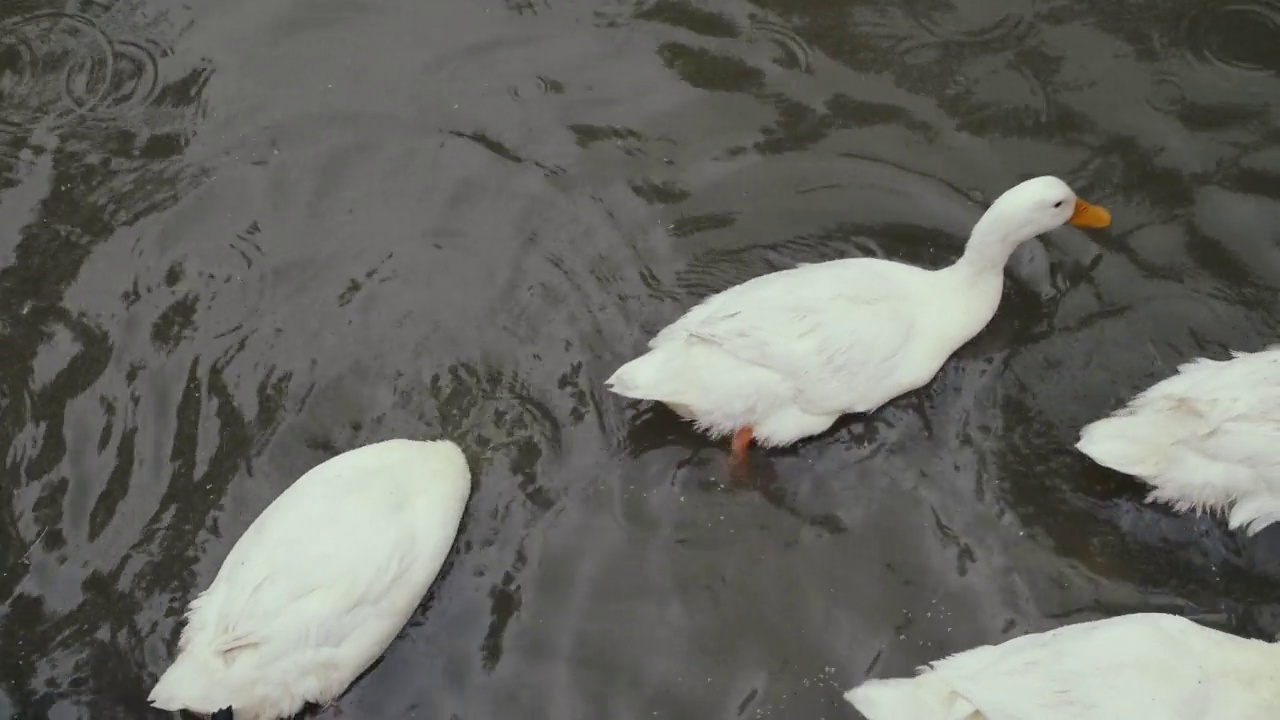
x=973 y=22
x=1243 y=36
x=796 y=52
x=136 y=77
x=1166 y=94
x=15 y=65
x=56 y=63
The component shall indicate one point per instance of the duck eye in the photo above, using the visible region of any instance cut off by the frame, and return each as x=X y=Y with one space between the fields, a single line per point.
x=1058 y=204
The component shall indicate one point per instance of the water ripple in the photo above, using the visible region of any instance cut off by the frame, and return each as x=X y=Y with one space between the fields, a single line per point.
x=797 y=53
x=1166 y=94
x=1241 y=36
x=52 y=63
x=973 y=22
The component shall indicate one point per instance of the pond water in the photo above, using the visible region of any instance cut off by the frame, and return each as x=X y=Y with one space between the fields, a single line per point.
x=240 y=237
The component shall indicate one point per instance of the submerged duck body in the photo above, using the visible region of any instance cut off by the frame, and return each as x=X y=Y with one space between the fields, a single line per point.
x=782 y=356
x=1146 y=665
x=1207 y=438
x=320 y=583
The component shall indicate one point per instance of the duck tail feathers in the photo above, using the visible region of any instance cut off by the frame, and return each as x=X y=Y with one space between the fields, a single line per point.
x=1131 y=444
x=648 y=377
x=919 y=698
x=193 y=683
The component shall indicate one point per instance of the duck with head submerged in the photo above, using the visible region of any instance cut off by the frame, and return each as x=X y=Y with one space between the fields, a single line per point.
x=782 y=356
x=320 y=583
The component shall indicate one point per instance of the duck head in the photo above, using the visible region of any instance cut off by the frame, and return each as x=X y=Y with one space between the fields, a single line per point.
x=1026 y=210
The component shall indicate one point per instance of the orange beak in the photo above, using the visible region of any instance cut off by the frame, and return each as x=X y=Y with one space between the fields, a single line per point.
x=1089 y=216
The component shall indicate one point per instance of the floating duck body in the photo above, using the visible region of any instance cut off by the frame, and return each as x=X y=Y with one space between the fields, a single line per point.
x=1146 y=665
x=320 y=583
x=782 y=356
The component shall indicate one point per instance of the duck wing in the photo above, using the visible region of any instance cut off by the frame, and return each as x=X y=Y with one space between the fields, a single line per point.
x=835 y=330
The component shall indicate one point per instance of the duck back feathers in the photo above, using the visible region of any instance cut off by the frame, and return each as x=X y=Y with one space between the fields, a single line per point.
x=1207 y=438
x=1146 y=665
x=320 y=583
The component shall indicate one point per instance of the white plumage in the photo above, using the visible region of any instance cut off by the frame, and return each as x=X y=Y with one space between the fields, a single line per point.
x=320 y=583
x=782 y=356
x=1207 y=438
x=1145 y=666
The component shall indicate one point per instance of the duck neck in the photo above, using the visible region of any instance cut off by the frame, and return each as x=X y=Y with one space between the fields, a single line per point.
x=978 y=276
x=987 y=251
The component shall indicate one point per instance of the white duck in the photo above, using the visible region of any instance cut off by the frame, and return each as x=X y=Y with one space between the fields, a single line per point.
x=1150 y=666
x=320 y=583
x=782 y=356
x=1207 y=438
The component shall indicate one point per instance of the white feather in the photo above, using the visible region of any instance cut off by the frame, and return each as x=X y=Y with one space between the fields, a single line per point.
x=788 y=353
x=1148 y=666
x=320 y=583
x=1207 y=438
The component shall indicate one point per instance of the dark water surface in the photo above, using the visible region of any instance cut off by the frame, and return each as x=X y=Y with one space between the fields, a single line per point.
x=239 y=237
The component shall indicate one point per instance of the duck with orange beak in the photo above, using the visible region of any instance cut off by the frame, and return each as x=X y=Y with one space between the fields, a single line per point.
x=782 y=356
